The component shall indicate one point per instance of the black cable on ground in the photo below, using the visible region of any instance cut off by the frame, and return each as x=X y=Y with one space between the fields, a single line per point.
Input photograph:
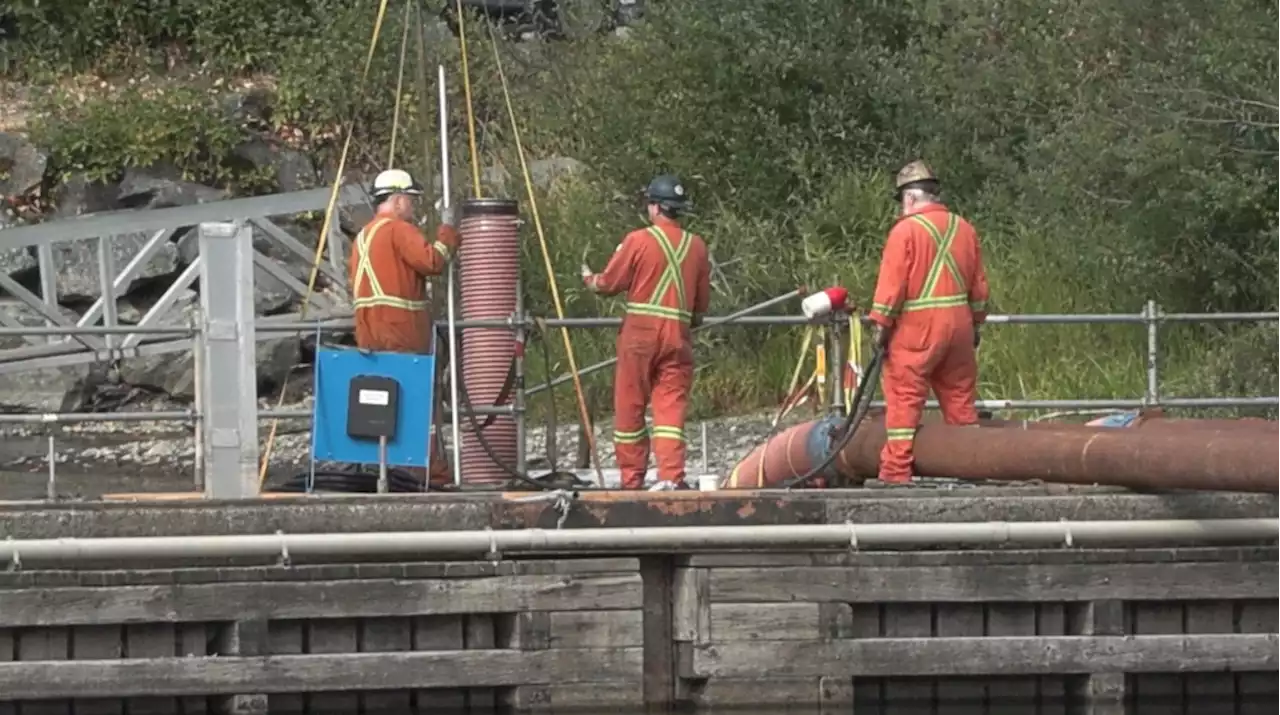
x=846 y=431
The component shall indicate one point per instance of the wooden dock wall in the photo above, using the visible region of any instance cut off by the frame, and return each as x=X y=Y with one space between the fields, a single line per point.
x=972 y=632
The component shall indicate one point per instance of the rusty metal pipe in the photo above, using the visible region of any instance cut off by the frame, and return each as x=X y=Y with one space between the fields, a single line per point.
x=1214 y=460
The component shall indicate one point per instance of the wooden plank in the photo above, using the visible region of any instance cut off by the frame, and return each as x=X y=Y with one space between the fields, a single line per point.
x=765 y=621
x=337 y=636
x=92 y=643
x=286 y=600
x=1051 y=620
x=192 y=640
x=910 y=695
x=596 y=629
x=1033 y=655
x=1256 y=692
x=1031 y=582
x=866 y=622
x=764 y=692
x=658 y=679
x=385 y=635
x=1206 y=691
x=286 y=638
x=835 y=620
x=576 y=696
x=965 y=695
x=530 y=630
x=42 y=644
x=7 y=652
x=150 y=640
x=439 y=633
x=1014 y=695
x=976 y=557
x=1160 y=692
x=692 y=609
x=310 y=673
x=479 y=633
x=1101 y=693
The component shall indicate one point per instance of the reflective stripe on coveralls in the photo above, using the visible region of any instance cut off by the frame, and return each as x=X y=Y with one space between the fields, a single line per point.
x=364 y=269
x=672 y=275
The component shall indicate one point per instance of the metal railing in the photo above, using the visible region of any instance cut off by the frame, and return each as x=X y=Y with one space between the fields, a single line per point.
x=223 y=336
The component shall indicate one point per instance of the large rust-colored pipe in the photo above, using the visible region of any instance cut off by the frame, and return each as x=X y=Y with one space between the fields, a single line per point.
x=1218 y=460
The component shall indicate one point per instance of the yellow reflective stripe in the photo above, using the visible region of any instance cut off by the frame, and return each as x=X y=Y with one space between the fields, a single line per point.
x=888 y=310
x=946 y=301
x=658 y=311
x=675 y=261
x=944 y=257
x=977 y=305
x=666 y=432
x=901 y=433
x=443 y=250
x=632 y=437
x=364 y=269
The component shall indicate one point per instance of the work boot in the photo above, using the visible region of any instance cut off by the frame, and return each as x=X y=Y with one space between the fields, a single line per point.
x=665 y=485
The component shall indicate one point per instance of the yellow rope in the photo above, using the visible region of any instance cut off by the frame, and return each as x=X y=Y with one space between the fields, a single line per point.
x=546 y=259
x=466 y=89
x=395 y=117
x=324 y=232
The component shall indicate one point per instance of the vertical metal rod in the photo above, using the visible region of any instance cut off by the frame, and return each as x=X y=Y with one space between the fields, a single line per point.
x=454 y=406
x=706 y=463
x=106 y=284
x=1152 y=315
x=48 y=268
x=51 y=487
x=836 y=363
x=383 y=486
x=518 y=392
x=197 y=400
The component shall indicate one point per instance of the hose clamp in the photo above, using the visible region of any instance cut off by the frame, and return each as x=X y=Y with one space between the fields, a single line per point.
x=494 y=555
x=1067 y=539
x=285 y=560
x=15 y=561
x=853 y=536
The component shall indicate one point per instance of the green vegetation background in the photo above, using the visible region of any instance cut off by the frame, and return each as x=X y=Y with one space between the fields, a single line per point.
x=1109 y=151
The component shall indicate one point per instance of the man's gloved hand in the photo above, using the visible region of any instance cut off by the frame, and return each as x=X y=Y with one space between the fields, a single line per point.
x=881 y=336
x=977 y=337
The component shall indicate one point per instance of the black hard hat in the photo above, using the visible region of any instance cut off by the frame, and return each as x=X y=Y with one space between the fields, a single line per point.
x=666 y=191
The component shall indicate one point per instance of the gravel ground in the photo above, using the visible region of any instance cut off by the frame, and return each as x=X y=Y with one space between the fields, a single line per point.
x=95 y=458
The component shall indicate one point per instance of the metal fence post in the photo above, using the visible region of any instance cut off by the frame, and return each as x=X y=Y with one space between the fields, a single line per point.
x=1151 y=314
x=229 y=376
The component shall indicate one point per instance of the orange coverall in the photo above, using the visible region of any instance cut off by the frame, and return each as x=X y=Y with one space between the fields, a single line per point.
x=389 y=260
x=932 y=292
x=667 y=277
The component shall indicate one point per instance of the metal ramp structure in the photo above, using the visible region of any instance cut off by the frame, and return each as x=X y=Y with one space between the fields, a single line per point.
x=135 y=238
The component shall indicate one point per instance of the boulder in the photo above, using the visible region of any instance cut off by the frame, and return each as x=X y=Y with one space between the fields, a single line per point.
x=22 y=165
x=291 y=169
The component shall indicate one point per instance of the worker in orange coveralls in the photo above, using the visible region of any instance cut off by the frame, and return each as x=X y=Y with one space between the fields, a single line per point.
x=666 y=274
x=389 y=261
x=930 y=301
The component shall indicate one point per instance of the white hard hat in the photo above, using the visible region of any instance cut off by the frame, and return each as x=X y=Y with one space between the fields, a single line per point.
x=395 y=181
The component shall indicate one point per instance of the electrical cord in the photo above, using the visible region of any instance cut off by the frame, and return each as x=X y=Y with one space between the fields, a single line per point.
x=851 y=423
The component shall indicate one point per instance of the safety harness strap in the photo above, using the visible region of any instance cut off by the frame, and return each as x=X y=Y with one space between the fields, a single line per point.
x=672 y=276
x=928 y=298
x=364 y=269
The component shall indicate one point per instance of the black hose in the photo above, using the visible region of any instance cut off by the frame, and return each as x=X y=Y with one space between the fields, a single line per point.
x=858 y=411
x=357 y=481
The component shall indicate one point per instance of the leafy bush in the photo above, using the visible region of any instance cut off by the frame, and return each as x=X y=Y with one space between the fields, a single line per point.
x=1109 y=152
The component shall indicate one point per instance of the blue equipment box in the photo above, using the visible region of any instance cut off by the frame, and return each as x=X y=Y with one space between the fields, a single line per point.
x=334 y=370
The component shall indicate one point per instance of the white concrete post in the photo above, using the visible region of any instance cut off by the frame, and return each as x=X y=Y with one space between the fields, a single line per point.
x=229 y=376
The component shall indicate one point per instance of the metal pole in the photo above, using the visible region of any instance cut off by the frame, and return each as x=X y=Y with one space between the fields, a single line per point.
x=673 y=538
x=383 y=486
x=51 y=488
x=1152 y=311
x=518 y=391
x=197 y=403
x=94 y=330
x=836 y=364
x=106 y=284
x=452 y=272
x=709 y=324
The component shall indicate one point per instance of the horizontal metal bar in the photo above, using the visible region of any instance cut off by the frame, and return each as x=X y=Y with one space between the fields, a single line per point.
x=1219 y=317
x=1200 y=402
x=83 y=417
x=481 y=411
x=96 y=330
x=113 y=223
x=1064 y=534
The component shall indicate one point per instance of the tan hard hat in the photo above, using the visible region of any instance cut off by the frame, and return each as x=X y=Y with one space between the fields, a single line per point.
x=913 y=172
